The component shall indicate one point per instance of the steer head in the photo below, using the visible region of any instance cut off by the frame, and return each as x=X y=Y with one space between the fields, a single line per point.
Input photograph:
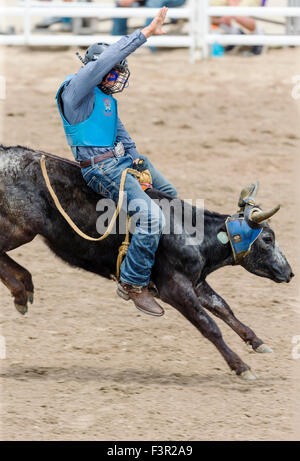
x=253 y=241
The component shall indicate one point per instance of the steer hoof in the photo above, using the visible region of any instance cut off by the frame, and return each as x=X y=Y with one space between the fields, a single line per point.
x=247 y=375
x=263 y=348
x=21 y=309
x=30 y=296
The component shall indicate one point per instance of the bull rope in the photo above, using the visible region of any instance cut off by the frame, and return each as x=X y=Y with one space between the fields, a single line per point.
x=125 y=244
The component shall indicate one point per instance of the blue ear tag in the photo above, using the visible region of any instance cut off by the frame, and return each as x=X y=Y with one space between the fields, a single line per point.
x=241 y=236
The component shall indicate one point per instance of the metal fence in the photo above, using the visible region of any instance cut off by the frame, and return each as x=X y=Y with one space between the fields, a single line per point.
x=198 y=13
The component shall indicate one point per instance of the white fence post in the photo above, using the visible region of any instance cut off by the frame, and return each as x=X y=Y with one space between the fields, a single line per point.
x=27 y=22
x=193 y=28
x=203 y=26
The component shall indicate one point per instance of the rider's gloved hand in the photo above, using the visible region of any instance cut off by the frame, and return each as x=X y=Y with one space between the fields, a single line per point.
x=138 y=164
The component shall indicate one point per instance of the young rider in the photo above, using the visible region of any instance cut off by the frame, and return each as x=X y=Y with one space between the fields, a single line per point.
x=101 y=144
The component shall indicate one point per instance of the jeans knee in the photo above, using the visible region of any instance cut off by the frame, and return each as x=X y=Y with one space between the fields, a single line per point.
x=154 y=220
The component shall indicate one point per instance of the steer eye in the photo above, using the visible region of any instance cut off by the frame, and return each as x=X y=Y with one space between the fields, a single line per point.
x=267 y=239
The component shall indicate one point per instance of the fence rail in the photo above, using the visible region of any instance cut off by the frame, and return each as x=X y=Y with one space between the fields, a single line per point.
x=80 y=9
x=198 y=13
x=259 y=11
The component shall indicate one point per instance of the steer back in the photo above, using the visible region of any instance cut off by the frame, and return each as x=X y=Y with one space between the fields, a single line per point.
x=27 y=209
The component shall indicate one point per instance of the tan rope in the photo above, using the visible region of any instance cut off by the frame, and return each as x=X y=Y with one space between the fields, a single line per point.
x=69 y=220
x=124 y=247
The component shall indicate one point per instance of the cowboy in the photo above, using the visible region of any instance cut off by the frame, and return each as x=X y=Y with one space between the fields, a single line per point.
x=100 y=142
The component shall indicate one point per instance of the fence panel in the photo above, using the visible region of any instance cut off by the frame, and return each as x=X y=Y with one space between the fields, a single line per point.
x=198 y=13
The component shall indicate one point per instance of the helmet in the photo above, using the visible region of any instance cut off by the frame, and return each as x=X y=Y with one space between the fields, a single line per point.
x=93 y=52
x=120 y=72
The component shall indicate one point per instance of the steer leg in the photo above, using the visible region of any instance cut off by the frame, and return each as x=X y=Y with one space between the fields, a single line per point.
x=18 y=280
x=179 y=292
x=218 y=306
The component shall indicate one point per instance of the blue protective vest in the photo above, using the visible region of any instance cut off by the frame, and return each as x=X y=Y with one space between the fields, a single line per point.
x=99 y=129
x=241 y=236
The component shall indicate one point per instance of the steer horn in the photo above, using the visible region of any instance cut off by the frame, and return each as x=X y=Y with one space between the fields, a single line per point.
x=256 y=215
x=248 y=195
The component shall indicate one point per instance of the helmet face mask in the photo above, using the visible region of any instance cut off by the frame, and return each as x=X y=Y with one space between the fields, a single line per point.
x=116 y=80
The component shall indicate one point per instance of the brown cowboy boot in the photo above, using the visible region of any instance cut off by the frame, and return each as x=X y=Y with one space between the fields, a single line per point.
x=141 y=298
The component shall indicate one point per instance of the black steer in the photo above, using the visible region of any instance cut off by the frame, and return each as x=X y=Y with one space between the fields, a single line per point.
x=180 y=270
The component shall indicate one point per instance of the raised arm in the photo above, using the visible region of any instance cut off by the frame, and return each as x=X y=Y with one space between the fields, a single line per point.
x=93 y=73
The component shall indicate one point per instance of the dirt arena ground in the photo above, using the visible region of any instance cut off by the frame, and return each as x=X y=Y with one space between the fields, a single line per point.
x=85 y=365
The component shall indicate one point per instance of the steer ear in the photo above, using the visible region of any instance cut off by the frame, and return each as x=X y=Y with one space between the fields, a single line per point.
x=222 y=228
x=248 y=195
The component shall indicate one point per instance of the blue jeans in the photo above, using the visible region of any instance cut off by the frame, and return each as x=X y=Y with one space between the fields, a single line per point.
x=120 y=24
x=104 y=178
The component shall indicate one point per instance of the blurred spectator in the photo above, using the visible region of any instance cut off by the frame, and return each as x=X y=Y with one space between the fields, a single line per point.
x=120 y=24
x=47 y=22
x=225 y=23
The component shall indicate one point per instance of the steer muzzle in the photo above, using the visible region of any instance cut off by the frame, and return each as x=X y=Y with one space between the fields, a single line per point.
x=290 y=276
x=267 y=260
x=283 y=274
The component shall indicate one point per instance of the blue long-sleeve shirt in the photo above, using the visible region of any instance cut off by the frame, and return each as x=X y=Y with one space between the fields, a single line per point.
x=78 y=94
